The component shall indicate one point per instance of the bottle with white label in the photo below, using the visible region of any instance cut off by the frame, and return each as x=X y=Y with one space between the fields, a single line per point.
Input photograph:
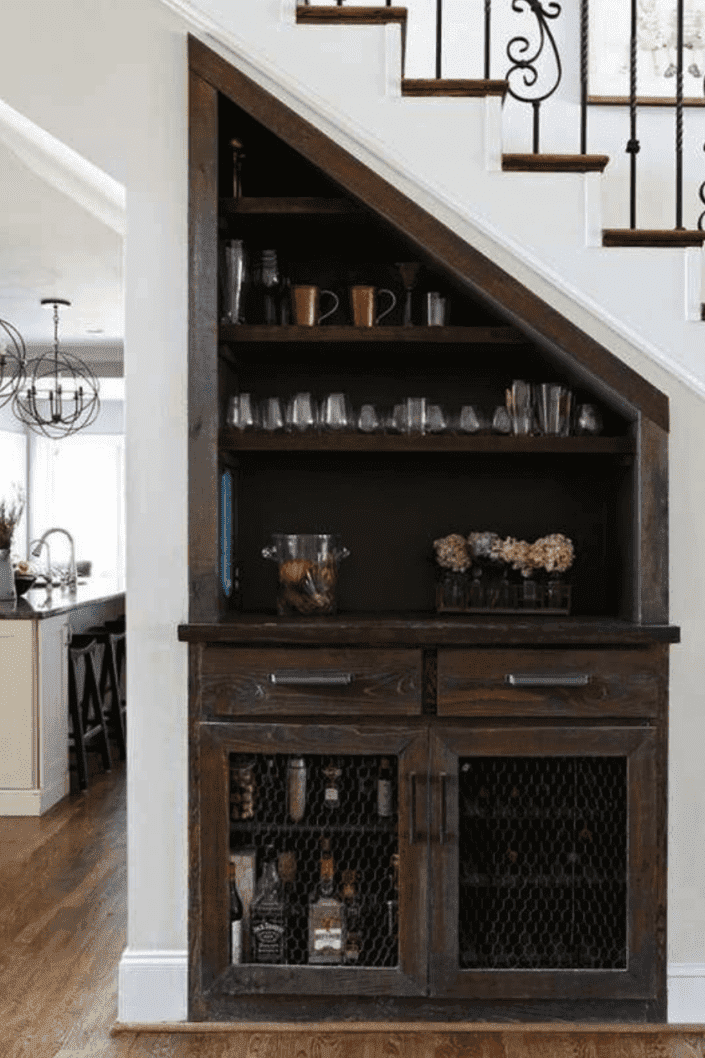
x=236 y=916
x=326 y=915
x=331 y=791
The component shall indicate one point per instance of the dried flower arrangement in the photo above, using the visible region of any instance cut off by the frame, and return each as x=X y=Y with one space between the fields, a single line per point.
x=553 y=553
x=10 y=514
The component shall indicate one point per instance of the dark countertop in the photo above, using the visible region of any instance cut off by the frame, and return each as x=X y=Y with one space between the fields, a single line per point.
x=38 y=603
x=425 y=630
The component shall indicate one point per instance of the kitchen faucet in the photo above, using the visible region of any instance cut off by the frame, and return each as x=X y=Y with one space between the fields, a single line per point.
x=42 y=542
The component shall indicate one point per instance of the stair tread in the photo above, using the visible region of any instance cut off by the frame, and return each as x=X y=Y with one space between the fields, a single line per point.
x=652 y=237
x=554 y=163
x=325 y=15
x=418 y=86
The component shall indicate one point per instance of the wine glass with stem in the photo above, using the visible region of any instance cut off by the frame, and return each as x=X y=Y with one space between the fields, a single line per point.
x=409 y=271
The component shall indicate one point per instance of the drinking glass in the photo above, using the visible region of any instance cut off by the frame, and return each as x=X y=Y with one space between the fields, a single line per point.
x=501 y=420
x=416 y=413
x=520 y=406
x=436 y=309
x=242 y=413
x=435 y=419
x=588 y=420
x=368 y=419
x=471 y=419
x=272 y=414
x=301 y=413
x=553 y=403
x=336 y=412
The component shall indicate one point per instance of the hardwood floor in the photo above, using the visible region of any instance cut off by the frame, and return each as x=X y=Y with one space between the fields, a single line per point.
x=62 y=929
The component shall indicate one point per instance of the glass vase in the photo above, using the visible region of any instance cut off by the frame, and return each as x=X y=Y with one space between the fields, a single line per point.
x=8 y=592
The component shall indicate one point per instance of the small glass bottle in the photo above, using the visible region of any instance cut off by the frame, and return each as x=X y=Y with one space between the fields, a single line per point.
x=326 y=915
x=236 y=916
x=269 y=913
x=270 y=287
x=351 y=901
x=331 y=791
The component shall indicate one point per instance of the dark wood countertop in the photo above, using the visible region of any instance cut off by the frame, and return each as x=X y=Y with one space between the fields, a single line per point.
x=37 y=603
x=426 y=630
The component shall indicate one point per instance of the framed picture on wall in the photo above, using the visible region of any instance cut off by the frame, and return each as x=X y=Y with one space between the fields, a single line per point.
x=608 y=57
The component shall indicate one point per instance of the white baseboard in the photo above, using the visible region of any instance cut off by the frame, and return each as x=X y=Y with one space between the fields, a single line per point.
x=686 y=993
x=153 y=986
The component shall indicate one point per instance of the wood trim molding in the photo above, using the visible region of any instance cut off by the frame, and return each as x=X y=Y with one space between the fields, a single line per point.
x=446 y=249
x=350 y=16
x=416 y=86
x=554 y=163
x=644 y=237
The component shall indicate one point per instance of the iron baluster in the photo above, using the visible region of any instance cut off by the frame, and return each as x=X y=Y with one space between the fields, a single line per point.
x=584 y=40
x=523 y=58
x=679 y=117
x=701 y=190
x=488 y=20
x=633 y=143
x=439 y=35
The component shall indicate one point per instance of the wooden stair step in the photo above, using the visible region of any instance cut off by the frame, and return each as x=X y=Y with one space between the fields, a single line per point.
x=645 y=237
x=357 y=16
x=554 y=163
x=452 y=87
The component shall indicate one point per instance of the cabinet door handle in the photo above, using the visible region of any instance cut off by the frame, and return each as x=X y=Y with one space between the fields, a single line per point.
x=443 y=831
x=548 y=679
x=311 y=679
x=412 y=808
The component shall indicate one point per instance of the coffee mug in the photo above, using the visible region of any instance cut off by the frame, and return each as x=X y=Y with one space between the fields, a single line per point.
x=306 y=305
x=363 y=305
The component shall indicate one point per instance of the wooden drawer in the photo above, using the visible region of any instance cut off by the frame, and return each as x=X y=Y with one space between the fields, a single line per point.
x=250 y=681
x=591 y=683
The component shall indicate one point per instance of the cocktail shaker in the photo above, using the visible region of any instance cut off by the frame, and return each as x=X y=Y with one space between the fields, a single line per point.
x=235 y=275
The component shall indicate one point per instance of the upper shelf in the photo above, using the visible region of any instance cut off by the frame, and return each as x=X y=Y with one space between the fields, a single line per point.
x=234 y=332
x=349 y=441
x=292 y=206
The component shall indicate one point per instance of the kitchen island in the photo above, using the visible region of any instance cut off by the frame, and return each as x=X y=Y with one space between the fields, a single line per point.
x=34 y=638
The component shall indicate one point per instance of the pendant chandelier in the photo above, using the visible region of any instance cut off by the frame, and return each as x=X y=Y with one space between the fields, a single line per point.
x=13 y=359
x=59 y=395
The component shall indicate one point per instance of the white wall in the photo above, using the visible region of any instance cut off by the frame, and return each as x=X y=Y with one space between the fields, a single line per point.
x=108 y=77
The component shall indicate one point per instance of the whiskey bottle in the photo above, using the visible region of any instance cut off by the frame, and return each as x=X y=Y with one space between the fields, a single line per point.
x=331 y=792
x=236 y=915
x=351 y=903
x=269 y=913
x=326 y=915
x=384 y=789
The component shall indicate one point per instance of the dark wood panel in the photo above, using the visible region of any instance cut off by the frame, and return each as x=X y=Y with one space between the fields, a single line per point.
x=203 y=357
x=425 y=629
x=651 y=545
x=463 y=263
x=238 y=682
x=624 y=683
x=299 y=205
x=643 y=237
x=232 y=332
x=349 y=15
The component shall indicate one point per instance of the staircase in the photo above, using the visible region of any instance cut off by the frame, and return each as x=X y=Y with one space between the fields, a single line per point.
x=442 y=143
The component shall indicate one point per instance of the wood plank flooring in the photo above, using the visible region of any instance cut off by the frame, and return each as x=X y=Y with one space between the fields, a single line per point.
x=62 y=929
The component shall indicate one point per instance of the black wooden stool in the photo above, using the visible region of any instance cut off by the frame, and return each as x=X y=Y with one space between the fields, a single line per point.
x=85 y=711
x=111 y=636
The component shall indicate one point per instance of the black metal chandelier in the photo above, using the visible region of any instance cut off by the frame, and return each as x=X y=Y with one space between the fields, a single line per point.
x=13 y=360
x=59 y=395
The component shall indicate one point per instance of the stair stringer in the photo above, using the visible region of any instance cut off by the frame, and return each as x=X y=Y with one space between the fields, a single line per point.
x=345 y=81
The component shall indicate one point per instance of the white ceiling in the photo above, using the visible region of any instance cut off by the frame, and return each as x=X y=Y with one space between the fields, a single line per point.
x=50 y=246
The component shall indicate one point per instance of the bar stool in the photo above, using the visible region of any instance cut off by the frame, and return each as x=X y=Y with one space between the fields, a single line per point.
x=111 y=636
x=85 y=711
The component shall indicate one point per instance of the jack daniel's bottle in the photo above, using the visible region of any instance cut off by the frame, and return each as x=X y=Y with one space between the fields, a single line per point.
x=326 y=915
x=268 y=914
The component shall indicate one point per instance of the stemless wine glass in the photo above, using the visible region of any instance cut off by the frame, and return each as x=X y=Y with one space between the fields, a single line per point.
x=242 y=413
x=368 y=420
x=272 y=415
x=336 y=412
x=301 y=413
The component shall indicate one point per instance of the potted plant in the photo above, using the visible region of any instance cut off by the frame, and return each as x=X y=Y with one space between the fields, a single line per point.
x=10 y=514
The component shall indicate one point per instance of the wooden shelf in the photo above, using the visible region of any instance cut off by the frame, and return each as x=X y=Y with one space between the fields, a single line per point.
x=233 y=332
x=260 y=441
x=554 y=163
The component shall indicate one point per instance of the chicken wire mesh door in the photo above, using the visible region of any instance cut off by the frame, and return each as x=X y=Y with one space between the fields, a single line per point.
x=542 y=863
x=321 y=831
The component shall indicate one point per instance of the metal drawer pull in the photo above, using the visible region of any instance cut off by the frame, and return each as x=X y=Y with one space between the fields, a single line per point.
x=548 y=679
x=311 y=679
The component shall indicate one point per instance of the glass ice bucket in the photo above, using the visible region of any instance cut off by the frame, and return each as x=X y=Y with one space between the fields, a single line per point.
x=308 y=571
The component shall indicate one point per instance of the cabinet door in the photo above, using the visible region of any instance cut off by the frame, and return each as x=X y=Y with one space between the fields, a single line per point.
x=546 y=868
x=252 y=800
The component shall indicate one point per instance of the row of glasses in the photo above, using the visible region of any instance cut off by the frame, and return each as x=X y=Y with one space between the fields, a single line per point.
x=415 y=415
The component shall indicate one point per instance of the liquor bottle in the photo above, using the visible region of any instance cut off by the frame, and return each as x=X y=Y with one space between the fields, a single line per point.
x=269 y=913
x=384 y=789
x=270 y=287
x=331 y=793
x=351 y=902
x=393 y=901
x=326 y=915
x=236 y=915
x=296 y=788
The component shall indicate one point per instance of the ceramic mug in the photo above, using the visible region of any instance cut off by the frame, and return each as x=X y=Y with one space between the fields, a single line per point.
x=363 y=300
x=306 y=304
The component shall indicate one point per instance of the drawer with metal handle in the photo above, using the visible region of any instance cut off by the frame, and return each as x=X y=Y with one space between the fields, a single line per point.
x=244 y=681
x=590 y=683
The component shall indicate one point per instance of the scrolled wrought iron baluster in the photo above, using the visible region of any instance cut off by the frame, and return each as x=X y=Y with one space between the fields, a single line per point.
x=520 y=54
x=439 y=36
x=584 y=42
x=679 y=116
x=488 y=34
x=633 y=145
